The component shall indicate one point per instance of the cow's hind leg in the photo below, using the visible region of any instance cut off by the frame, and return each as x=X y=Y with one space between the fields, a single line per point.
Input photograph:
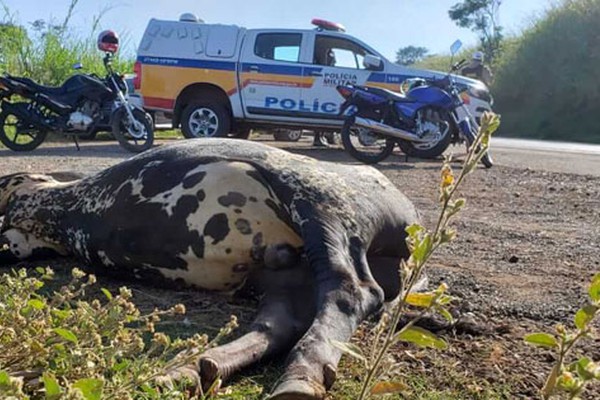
x=347 y=293
x=285 y=313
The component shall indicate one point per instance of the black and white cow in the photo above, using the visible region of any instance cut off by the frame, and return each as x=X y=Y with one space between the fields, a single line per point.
x=322 y=240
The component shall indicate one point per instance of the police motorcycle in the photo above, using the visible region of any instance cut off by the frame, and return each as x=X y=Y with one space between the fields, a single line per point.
x=85 y=103
x=423 y=122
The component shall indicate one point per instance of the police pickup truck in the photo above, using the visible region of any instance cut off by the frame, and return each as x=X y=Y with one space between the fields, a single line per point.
x=219 y=80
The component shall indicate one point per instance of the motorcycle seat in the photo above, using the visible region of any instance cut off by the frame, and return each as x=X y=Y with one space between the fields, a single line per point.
x=49 y=90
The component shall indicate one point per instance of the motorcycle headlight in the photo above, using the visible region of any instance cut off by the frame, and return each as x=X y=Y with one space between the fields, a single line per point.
x=120 y=82
x=481 y=93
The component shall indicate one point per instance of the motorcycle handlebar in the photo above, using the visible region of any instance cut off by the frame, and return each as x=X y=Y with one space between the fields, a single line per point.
x=459 y=65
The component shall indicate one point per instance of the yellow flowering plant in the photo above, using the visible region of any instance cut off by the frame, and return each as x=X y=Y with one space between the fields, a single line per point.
x=61 y=346
x=571 y=378
x=422 y=243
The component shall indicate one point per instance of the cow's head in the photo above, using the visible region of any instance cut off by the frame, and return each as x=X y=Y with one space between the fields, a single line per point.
x=23 y=182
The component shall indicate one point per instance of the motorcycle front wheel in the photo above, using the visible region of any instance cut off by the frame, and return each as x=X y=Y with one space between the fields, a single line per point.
x=131 y=137
x=436 y=124
x=365 y=145
x=19 y=135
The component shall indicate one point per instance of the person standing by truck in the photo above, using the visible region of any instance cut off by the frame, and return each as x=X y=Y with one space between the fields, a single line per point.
x=478 y=70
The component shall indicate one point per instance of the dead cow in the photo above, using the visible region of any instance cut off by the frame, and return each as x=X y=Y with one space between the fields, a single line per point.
x=323 y=240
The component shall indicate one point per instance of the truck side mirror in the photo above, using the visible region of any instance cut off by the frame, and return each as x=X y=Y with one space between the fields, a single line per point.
x=372 y=62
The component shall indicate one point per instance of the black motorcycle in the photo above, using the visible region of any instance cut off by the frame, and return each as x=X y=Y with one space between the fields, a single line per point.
x=84 y=104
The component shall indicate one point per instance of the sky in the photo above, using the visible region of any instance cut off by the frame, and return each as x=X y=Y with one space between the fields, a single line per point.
x=385 y=25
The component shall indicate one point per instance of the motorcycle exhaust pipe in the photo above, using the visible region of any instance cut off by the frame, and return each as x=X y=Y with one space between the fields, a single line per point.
x=387 y=130
x=20 y=110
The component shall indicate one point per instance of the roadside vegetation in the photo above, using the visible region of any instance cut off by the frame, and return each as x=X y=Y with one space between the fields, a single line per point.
x=47 y=50
x=548 y=73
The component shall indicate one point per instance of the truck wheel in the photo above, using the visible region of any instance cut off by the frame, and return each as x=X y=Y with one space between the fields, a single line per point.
x=332 y=137
x=205 y=119
x=287 y=135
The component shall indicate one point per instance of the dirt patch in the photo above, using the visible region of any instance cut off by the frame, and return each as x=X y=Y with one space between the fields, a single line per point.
x=528 y=244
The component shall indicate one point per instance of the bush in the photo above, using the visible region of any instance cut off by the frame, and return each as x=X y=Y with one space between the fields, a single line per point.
x=547 y=79
x=49 y=50
x=62 y=346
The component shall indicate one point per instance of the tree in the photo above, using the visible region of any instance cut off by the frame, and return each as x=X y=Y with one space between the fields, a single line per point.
x=410 y=54
x=481 y=16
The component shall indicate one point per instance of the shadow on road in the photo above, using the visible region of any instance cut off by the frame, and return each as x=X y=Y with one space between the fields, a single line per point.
x=108 y=150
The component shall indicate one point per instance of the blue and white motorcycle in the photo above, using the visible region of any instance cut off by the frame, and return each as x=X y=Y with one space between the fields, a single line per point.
x=423 y=122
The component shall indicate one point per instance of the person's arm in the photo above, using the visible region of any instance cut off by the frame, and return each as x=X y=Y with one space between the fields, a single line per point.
x=488 y=76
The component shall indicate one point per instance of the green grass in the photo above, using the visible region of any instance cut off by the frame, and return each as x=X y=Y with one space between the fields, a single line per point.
x=547 y=77
x=547 y=83
x=168 y=134
x=439 y=382
x=48 y=50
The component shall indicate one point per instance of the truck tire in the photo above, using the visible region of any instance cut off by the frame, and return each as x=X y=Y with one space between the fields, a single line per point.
x=287 y=135
x=205 y=119
x=332 y=137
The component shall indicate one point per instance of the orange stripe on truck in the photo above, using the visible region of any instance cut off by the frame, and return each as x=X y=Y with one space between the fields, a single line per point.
x=158 y=102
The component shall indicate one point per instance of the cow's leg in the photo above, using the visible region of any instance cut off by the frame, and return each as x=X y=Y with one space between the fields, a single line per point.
x=347 y=293
x=285 y=313
x=23 y=245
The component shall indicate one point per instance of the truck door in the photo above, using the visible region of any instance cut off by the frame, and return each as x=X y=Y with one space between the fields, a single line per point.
x=336 y=60
x=270 y=78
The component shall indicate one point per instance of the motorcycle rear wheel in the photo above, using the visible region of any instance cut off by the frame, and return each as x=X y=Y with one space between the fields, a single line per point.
x=364 y=145
x=430 y=150
x=19 y=135
x=125 y=132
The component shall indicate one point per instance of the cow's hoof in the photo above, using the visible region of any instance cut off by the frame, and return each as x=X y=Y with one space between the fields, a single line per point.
x=298 y=389
x=209 y=372
x=186 y=377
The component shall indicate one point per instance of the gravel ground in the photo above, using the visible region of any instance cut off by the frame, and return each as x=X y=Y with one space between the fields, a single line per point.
x=528 y=244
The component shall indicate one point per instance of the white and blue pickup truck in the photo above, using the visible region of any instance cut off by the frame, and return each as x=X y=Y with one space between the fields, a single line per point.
x=216 y=80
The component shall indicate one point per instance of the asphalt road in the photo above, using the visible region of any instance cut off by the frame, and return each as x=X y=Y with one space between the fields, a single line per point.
x=572 y=158
x=575 y=158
